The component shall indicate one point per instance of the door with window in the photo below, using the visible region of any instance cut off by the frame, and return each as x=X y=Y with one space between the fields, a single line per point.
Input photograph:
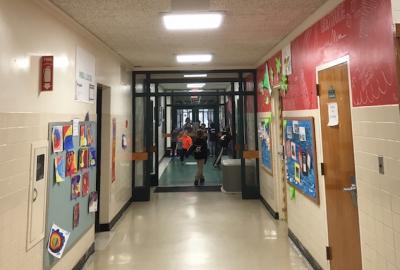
x=339 y=168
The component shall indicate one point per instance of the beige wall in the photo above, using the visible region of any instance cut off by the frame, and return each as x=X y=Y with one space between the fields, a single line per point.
x=396 y=11
x=30 y=29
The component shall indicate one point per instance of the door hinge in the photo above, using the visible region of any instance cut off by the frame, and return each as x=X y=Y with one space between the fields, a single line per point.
x=329 y=253
x=318 y=89
x=322 y=168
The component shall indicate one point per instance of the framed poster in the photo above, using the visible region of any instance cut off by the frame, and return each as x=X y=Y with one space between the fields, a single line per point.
x=300 y=156
x=266 y=143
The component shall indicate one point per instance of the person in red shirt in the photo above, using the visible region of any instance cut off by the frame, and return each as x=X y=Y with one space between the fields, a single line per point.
x=186 y=141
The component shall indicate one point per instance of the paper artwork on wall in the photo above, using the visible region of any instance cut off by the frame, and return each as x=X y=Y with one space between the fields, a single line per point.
x=68 y=139
x=302 y=134
x=75 y=217
x=71 y=167
x=83 y=158
x=266 y=143
x=85 y=183
x=113 y=150
x=93 y=200
x=296 y=127
x=75 y=187
x=85 y=76
x=293 y=152
x=287 y=60
x=82 y=135
x=89 y=135
x=92 y=156
x=59 y=165
x=297 y=172
x=57 y=139
x=57 y=242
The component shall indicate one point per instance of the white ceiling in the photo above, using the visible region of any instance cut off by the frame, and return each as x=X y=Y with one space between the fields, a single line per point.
x=133 y=28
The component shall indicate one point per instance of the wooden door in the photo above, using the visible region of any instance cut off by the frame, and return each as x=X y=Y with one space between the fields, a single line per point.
x=339 y=170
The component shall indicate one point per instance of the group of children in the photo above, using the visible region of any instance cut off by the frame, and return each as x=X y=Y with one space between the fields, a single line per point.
x=202 y=143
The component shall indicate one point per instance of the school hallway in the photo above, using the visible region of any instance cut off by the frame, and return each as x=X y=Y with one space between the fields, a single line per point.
x=202 y=231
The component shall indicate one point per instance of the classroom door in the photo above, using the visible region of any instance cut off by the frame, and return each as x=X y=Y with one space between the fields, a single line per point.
x=339 y=169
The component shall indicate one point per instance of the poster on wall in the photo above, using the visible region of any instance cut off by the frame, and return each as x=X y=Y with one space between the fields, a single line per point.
x=85 y=76
x=266 y=143
x=287 y=60
x=114 y=145
x=58 y=239
x=300 y=157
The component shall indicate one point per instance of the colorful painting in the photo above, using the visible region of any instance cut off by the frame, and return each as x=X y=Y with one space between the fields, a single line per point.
x=59 y=165
x=89 y=135
x=92 y=156
x=266 y=143
x=114 y=145
x=83 y=158
x=57 y=139
x=85 y=184
x=68 y=139
x=300 y=159
x=75 y=217
x=93 y=199
x=58 y=239
x=71 y=163
x=75 y=187
x=82 y=136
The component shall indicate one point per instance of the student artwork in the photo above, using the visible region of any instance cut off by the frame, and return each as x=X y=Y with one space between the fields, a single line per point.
x=68 y=139
x=93 y=200
x=300 y=159
x=83 y=158
x=57 y=139
x=266 y=143
x=71 y=167
x=89 y=135
x=92 y=156
x=85 y=183
x=75 y=216
x=82 y=135
x=75 y=187
x=59 y=166
x=58 y=239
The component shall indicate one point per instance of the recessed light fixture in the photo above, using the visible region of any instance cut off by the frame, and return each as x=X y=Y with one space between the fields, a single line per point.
x=195 y=85
x=193 y=21
x=195 y=75
x=196 y=90
x=194 y=58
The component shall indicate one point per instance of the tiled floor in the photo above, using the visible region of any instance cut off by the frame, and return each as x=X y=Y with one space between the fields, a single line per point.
x=182 y=174
x=199 y=231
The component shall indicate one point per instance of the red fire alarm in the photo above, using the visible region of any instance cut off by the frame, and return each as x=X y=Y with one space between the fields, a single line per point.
x=46 y=73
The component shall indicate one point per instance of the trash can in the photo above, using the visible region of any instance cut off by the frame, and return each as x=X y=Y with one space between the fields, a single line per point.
x=231 y=174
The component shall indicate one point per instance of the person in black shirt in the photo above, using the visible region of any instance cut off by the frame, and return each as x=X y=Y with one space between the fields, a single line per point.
x=199 y=148
x=212 y=139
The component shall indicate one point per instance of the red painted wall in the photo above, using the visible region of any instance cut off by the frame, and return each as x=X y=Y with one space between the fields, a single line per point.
x=361 y=29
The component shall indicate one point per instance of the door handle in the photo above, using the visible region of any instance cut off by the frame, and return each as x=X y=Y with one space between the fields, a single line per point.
x=34 y=195
x=352 y=188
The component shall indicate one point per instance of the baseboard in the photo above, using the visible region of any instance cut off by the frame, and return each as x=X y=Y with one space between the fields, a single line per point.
x=315 y=265
x=274 y=214
x=108 y=226
x=81 y=263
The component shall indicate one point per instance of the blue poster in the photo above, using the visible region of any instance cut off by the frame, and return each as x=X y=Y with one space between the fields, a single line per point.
x=266 y=143
x=300 y=159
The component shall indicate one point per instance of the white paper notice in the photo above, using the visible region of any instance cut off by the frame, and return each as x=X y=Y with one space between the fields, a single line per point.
x=333 y=114
x=75 y=127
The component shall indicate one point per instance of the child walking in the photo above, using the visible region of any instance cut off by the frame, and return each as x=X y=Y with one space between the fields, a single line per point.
x=200 y=154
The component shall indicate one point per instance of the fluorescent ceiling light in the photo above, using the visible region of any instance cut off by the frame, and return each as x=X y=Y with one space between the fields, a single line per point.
x=195 y=75
x=193 y=58
x=196 y=90
x=195 y=85
x=194 y=21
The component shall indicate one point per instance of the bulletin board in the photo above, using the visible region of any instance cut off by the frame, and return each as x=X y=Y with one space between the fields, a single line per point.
x=266 y=143
x=61 y=198
x=300 y=156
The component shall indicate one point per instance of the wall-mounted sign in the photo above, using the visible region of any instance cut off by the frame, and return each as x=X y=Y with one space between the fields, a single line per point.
x=331 y=93
x=46 y=73
x=85 y=76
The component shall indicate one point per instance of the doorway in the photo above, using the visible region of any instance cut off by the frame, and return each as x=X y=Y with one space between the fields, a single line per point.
x=234 y=96
x=339 y=169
